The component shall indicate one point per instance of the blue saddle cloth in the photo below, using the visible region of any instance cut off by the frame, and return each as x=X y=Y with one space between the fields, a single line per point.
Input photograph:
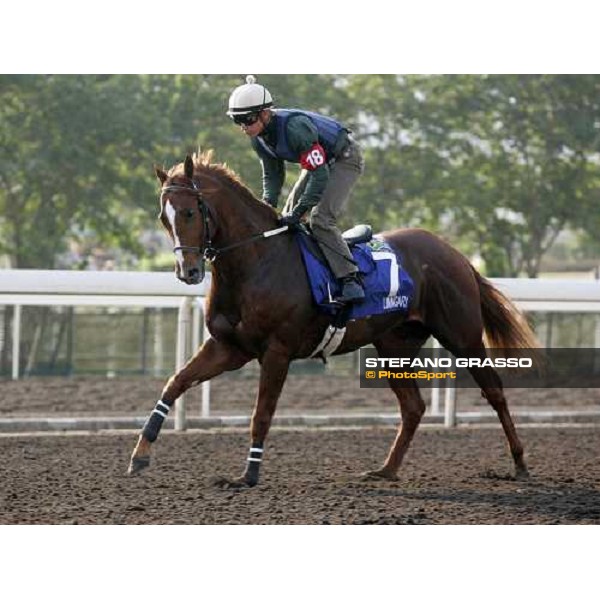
x=388 y=287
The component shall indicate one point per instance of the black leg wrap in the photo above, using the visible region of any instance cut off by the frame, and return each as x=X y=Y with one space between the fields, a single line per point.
x=253 y=464
x=155 y=421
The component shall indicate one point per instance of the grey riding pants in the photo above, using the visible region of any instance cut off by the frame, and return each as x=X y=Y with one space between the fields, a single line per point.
x=323 y=217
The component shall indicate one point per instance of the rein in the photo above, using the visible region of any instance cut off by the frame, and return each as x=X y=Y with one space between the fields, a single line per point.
x=208 y=251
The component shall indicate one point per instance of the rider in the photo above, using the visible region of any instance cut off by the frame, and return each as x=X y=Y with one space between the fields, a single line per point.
x=331 y=163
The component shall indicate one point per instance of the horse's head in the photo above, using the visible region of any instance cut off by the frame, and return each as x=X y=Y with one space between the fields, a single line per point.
x=185 y=217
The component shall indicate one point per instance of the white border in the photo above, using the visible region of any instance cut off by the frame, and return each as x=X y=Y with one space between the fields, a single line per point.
x=464 y=36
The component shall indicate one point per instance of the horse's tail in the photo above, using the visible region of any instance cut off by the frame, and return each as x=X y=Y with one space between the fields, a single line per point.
x=504 y=324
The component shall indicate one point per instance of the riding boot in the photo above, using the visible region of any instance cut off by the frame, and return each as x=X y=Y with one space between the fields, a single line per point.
x=352 y=290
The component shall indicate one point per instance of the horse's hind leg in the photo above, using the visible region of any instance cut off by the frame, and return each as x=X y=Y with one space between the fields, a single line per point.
x=412 y=406
x=491 y=389
x=462 y=331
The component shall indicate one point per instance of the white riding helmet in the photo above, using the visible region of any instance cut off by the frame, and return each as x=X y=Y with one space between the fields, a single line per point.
x=249 y=98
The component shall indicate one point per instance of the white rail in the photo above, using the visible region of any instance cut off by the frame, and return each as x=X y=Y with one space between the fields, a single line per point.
x=29 y=287
x=26 y=287
x=101 y=283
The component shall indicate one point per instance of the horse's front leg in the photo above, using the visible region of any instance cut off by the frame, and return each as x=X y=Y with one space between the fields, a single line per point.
x=273 y=372
x=212 y=359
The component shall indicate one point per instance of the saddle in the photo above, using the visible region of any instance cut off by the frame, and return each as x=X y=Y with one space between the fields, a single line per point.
x=359 y=234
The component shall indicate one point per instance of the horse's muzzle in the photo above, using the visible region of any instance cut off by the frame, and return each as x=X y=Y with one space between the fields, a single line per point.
x=192 y=276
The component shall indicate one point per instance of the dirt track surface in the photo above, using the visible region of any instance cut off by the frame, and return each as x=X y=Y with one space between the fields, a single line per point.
x=310 y=477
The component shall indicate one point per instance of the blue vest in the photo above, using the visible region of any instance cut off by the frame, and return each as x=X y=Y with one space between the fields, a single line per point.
x=328 y=129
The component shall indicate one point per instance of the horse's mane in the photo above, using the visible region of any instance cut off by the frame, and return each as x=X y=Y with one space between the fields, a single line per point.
x=225 y=175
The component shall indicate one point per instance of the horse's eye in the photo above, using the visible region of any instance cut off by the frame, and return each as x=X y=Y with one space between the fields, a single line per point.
x=188 y=213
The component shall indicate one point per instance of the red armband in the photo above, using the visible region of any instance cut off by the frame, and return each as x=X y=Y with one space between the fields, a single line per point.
x=314 y=158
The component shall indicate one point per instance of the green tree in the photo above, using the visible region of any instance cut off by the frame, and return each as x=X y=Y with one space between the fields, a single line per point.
x=71 y=160
x=501 y=163
x=542 y=134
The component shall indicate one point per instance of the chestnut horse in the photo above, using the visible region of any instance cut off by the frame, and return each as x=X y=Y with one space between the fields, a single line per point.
x=260 y=307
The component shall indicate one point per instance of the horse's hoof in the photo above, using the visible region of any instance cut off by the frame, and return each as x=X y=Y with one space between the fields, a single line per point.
x=240 y=483
x=379 y=475
x=521 y=474
x=137 y=464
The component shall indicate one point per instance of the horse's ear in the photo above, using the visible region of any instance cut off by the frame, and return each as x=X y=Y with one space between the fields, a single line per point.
x=188 y=167
x=162 y=176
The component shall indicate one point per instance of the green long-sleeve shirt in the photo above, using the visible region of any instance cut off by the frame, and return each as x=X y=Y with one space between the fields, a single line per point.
x=302 y=135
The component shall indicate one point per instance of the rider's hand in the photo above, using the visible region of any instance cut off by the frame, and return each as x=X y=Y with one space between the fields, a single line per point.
x=291 y=220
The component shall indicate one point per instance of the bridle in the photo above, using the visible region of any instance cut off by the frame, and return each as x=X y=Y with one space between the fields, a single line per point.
x=207 y=251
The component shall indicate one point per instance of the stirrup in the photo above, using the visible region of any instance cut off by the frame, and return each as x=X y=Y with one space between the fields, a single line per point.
x=353 y=288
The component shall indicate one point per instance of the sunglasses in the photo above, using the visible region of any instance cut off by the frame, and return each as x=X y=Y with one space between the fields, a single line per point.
x=247 y=119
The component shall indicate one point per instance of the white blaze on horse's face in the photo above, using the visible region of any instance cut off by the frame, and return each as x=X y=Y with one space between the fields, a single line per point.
x=189 y=266
x=170 y=212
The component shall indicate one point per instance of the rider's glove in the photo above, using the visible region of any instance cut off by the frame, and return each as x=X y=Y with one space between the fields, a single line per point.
x=291 y=220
